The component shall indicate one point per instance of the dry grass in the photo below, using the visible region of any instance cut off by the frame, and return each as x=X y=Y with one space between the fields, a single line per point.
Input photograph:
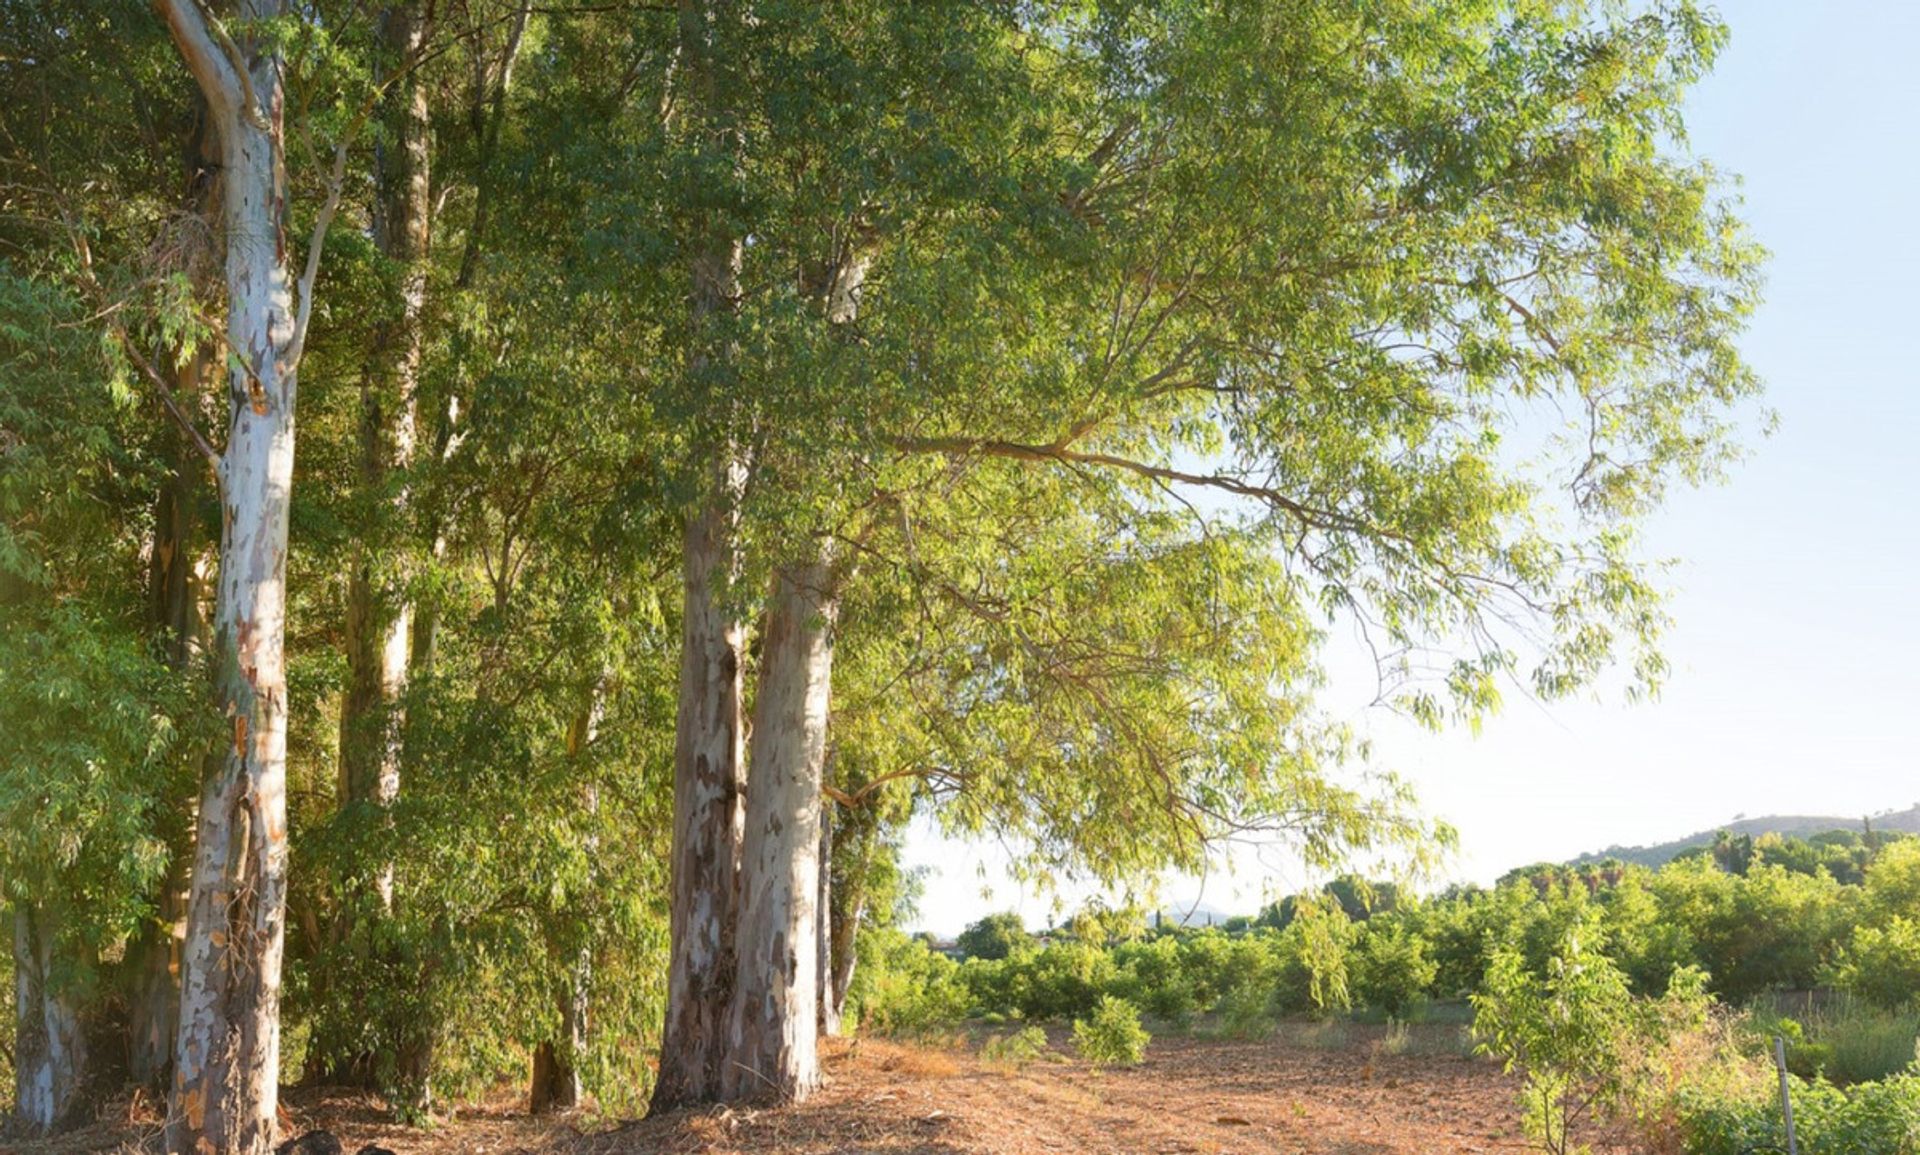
x=1340 y=1094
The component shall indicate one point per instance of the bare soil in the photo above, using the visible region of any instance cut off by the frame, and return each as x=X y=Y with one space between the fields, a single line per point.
x=1302 y=1092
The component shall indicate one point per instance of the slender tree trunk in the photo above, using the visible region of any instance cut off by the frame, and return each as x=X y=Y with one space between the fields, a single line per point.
x=153 y=959
x=227 y=1057
x=556 y=1062
x=50 y=1041
x=378 y=616
x=707 y=773
x=825 y=1006
x=154 y=1002
x=772 y=1025
x=708 y=762
x=848 y=902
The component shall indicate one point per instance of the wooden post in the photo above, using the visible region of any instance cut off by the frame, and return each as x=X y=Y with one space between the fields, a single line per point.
x=1786 y=1097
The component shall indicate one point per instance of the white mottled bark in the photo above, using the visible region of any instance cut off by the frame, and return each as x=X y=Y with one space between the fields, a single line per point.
x=227 y=1054
x=707 y=769
x=50 y=1044
x=772 y=1026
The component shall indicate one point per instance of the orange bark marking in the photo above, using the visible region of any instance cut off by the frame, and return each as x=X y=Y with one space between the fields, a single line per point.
x=240 y=735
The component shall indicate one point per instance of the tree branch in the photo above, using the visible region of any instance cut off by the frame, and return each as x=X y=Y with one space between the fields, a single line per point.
x=335 y=183
x=1058 y=452
x=212 y=69
x=139 y=359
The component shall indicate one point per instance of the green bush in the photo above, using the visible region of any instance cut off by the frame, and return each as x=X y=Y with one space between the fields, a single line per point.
x=1391 y=969
x=903 y=989
x=1061 y=981
x=1112 y=1036
x=1883 y=962
x=1871 y=1119
x=1015 y=1050
x=1153 y=977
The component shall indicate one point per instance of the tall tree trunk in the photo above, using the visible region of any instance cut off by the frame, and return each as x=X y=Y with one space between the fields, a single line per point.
x=772 y=1026
x=707 y=785
x=708 y=756
x=154 y=971
x=378 y=616
x=50 y=1042
x=227 y=1059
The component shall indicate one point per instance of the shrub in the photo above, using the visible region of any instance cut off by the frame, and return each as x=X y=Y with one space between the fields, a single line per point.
x=995 y=937
x=1015 y=1050
x=1063 y=981
x=1883 y=964
x=1871 y=1119
x=1153 y=978
x=1391 y=969
x=903 y=989
x=1245 y=1013
x=1112 y=1036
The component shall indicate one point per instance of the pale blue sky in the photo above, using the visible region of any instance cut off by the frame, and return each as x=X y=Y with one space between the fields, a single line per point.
x=1795 y=683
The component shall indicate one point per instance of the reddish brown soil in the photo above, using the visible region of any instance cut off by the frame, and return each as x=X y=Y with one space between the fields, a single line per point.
x=1298 y=1093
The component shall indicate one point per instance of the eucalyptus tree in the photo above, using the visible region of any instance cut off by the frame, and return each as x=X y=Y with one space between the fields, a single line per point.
x=1429 y=300
x=227 y=1061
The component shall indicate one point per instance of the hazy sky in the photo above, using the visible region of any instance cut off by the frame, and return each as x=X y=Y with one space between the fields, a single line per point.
x=1795 y=682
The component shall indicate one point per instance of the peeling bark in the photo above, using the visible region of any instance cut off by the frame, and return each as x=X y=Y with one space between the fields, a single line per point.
x=707 y=784
x=772 y=1025
x=227 y=1054
x=50 y=1042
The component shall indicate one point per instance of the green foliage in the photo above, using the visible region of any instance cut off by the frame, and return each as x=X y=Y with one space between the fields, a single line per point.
x=1111 y=1036
x=1577 y=1033
x=1244 y=376
x=1015 y=1050
x=903 y=989
x=997 y=936
x=1882 y=963
x=1880 y=1118
x=1392 y=970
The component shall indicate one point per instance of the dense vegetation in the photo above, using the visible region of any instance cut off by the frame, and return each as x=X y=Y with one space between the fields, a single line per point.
x=729 y=428
x=1577 y=973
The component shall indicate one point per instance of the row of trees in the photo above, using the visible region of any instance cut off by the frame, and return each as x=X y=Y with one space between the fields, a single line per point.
x=727 y=426
x=1770 y=929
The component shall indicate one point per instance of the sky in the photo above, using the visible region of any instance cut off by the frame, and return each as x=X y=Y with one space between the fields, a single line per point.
x=1796 y=648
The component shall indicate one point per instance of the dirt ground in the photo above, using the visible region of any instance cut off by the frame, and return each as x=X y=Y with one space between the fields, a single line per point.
x=1306 y=1091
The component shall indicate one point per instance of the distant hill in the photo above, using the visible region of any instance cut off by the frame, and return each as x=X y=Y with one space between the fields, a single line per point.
x=1800 y=825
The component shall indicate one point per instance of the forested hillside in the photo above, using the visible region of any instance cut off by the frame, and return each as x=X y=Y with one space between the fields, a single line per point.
x=1788 y=825
x=510 y=508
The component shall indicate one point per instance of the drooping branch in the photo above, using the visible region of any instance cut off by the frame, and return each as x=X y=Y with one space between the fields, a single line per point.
x=1060 y=452
x=161 y=388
